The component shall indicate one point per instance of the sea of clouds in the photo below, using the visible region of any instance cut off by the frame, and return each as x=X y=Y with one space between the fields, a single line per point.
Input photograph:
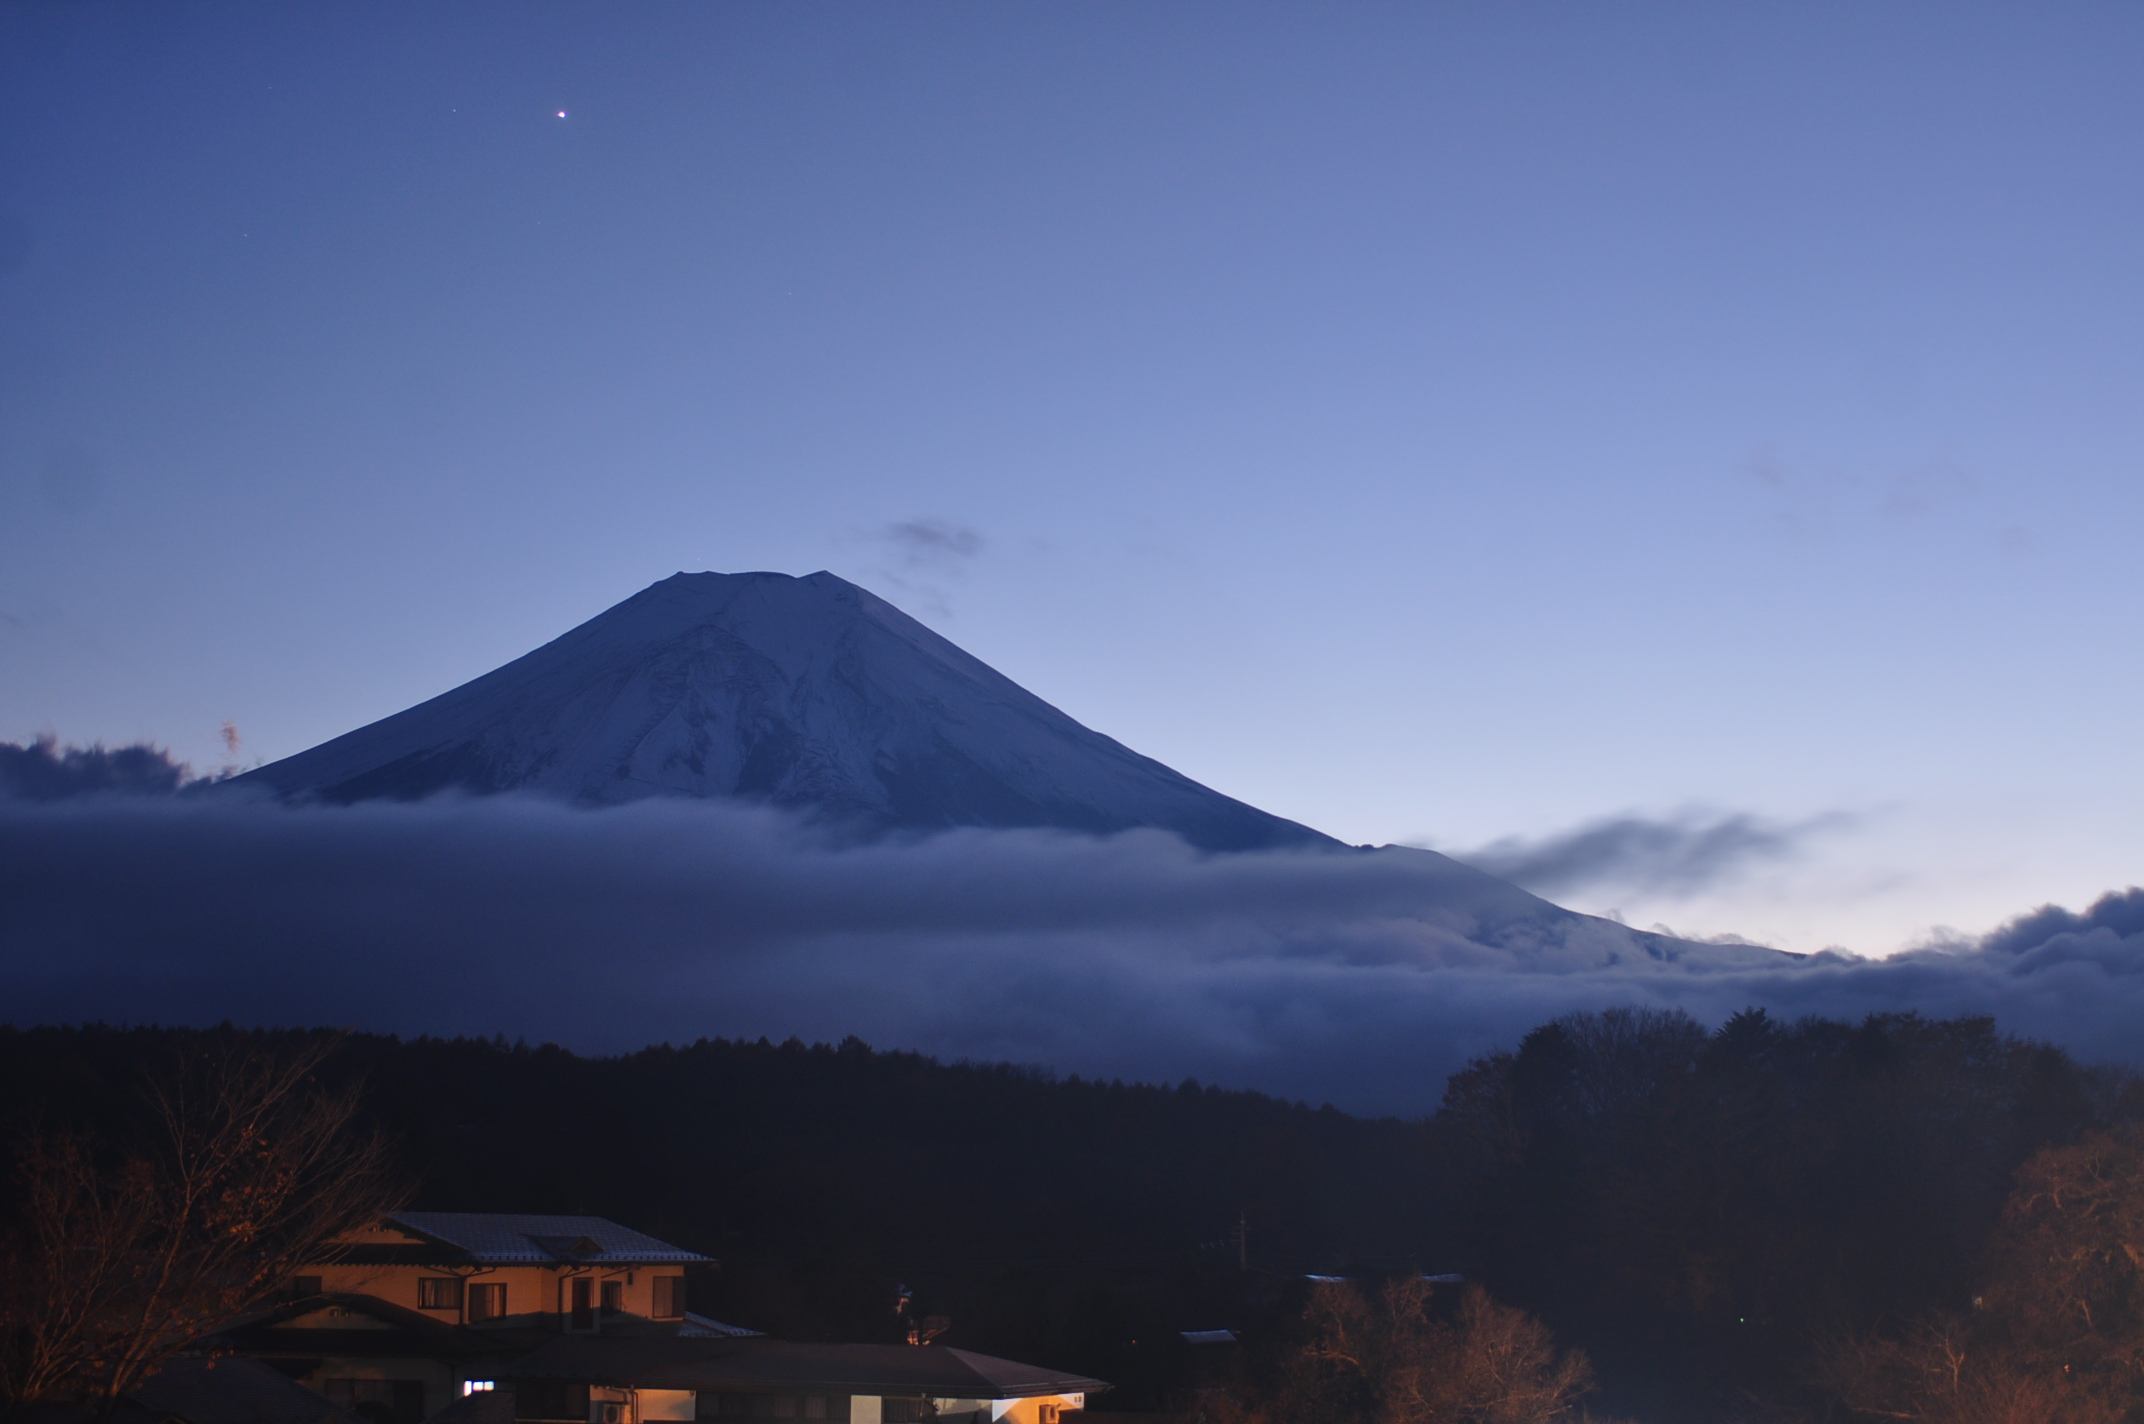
x=1347 y=977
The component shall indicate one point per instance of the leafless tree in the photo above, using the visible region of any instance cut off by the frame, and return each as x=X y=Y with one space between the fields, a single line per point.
x=2058 y=1330
x=1384 y=1358
x=125 y=1249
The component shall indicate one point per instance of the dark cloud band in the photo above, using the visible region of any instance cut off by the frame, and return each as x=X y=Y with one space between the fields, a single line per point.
x=1363 y=978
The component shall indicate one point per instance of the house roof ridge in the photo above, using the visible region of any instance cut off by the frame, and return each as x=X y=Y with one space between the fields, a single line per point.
x=539 y=1238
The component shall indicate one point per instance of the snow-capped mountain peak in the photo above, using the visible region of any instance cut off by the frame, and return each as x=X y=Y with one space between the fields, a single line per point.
x=808 y=692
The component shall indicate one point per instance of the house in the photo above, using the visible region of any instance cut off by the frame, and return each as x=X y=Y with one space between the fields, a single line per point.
x=503 y=1270
x=403 y=1318
x=491 y=1318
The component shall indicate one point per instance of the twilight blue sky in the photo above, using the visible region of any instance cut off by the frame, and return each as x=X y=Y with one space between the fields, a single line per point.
x=1433 y=423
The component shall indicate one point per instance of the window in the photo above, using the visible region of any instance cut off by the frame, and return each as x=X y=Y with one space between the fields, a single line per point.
x=439 y=1292
x=895 y=1410
x=583 y=1316
x=487 y=1302
x=614 y=1297
x=301 y=1286
x=814 y=1406
x=1049 y=1412
x=559 y=1400
x=470 y=1387
x=669 y=1297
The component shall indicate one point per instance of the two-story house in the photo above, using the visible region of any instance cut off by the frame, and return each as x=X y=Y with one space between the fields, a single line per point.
x=401 y=1319
x=578 y=1320
x=501 y=1270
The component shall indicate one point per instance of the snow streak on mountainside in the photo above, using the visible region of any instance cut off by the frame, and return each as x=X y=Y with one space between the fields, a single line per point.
x=808 y=693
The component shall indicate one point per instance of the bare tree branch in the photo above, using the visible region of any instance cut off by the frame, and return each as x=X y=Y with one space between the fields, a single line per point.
x=125 y=1251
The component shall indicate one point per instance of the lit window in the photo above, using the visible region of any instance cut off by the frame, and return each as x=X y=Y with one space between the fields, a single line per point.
x=470 y=1387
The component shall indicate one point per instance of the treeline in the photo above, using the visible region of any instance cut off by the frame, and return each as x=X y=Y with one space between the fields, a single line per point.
x=1704 y=1213
x=1707 y=1212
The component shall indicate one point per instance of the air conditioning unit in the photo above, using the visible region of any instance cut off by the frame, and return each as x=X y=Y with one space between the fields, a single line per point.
x=609 y=1413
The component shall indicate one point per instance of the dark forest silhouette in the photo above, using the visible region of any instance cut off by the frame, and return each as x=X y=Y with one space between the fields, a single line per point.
x=1762 y=1220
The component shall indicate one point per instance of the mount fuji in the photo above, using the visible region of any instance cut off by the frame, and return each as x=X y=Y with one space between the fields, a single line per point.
x=806 y=693
x=813 y=695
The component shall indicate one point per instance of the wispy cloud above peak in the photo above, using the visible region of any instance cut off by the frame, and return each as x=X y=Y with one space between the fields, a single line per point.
x=934 y=543
x=1677 y=855
x=925 y=551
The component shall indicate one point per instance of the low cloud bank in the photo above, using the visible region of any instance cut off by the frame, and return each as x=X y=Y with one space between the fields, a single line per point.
x=1359 y=978
x=42 y=771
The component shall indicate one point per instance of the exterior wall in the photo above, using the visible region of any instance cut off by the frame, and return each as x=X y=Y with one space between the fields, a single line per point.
x=833 y=1404
x=530 y=1290
x=664 y=1403
x=1038 y=1411
x=868 y=1409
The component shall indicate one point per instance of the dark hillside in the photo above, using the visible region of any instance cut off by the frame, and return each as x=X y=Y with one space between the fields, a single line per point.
x=1695 y=1208
x=1055 y=1219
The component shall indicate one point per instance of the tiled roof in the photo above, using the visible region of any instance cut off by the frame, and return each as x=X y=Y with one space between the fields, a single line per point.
x=514 y=1239
x=704 y=1328
x=890 y=1369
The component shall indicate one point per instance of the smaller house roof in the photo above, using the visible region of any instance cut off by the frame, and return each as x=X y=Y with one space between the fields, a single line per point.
x=745 y=1365
x=409 y=1333
x=231 y=1389
x=518 y=1239
x=704 y=1326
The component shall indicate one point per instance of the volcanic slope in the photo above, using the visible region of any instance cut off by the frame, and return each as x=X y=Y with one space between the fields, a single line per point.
x=808 y=693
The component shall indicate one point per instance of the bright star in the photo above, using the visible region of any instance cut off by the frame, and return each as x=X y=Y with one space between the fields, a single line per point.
x=562 y=113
